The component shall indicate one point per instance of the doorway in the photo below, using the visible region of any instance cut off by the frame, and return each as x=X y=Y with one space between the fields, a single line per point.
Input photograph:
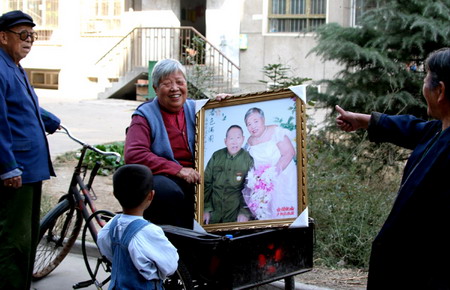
x=193 y=14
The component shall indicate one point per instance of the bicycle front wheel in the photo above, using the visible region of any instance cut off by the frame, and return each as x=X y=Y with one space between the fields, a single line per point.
x=58 y=231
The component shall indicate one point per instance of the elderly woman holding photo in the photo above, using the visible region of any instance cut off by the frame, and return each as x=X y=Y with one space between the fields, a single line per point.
x=162 y=136
x=273 y=154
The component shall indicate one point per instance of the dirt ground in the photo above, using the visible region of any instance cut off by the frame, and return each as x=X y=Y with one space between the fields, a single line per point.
x=338 y=279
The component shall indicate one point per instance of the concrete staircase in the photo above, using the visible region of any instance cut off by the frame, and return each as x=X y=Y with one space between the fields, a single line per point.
x=208 y=70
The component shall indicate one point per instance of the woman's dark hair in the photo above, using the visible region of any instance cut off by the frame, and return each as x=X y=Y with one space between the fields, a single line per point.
x=437 y=65
x=234 y=126
x=132 y=183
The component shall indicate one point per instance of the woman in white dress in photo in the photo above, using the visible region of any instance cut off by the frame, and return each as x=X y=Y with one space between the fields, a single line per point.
x=271 y=191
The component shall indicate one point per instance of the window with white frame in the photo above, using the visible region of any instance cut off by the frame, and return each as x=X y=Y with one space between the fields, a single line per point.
x=43 y=12
x=360 y=7
x=296 y=15
x=101 y=16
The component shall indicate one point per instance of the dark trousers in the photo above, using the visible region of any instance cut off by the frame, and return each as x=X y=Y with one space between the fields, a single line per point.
x=19 y=230
x=173 y=203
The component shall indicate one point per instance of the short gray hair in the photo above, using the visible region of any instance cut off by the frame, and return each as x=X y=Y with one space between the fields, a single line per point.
x=166 y=67
x=253 y=110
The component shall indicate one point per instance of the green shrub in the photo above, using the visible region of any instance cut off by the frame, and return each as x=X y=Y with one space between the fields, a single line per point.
x=109 y=164
x=348 y=204
x=281 y=76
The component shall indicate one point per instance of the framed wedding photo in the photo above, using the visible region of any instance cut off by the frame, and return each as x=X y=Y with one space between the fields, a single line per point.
x=251 y=153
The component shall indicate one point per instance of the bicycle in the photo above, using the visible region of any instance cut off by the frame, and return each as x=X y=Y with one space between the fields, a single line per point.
x=60 y=227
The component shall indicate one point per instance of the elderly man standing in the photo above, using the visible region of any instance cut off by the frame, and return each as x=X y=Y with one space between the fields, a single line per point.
x=24 y=154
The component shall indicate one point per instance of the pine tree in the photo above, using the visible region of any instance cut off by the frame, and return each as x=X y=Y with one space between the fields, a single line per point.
x=383 y=58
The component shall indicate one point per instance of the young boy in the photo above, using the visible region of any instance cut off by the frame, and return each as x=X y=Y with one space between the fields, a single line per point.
x=141 y=255
x=224 y=180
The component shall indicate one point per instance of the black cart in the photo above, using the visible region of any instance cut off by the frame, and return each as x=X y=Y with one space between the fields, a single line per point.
x=241 y=259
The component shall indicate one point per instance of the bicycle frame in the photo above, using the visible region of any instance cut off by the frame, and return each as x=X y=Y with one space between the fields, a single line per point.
x=82 y=196
x=61 y=226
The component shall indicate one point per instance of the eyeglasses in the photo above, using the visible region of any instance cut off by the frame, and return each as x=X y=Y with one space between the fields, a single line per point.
x=23 y=35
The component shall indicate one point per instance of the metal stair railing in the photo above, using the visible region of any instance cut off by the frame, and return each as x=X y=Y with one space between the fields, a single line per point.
x=207 y=67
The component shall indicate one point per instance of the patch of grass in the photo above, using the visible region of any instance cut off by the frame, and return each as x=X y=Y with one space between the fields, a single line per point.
x=47 y=203
x=348 y=204
x=66 y=157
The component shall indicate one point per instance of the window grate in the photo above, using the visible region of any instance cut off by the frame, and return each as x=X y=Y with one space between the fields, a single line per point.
x=296 y=15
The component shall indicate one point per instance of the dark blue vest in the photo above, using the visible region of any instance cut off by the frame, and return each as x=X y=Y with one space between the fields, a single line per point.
x=124 y=274
x=152 y=112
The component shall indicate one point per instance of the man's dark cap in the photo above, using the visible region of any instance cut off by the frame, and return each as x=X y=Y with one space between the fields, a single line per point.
x=13 y=18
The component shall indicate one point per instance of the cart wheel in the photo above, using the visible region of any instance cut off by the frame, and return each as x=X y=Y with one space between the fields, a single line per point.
x=181 y=279
x=289 y=283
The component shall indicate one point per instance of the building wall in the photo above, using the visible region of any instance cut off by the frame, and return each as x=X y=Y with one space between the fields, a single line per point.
x=223 y=25
x=226 y=22
x=290 y=49
x=339 y=11
x=75 y=55
x=69 y=52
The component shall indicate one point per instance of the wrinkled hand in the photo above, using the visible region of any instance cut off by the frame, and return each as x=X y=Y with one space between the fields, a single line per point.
x=349 y=121
x=14 y=182
x=206 y=217
x=222 y=96
x=278 y=168
x=189 y=175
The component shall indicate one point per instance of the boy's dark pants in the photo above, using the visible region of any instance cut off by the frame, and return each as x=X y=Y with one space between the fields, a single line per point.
x=173 y=203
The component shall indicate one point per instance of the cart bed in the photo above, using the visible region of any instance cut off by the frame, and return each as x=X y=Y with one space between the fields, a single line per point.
x=250 y=258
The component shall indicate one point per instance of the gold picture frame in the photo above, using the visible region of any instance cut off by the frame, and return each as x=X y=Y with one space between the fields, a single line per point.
x=283 y=112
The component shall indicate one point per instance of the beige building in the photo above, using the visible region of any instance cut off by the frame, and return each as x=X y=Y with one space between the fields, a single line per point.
x=99 y=48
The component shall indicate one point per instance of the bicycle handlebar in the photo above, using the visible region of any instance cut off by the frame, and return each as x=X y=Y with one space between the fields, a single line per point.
x=106 y=153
